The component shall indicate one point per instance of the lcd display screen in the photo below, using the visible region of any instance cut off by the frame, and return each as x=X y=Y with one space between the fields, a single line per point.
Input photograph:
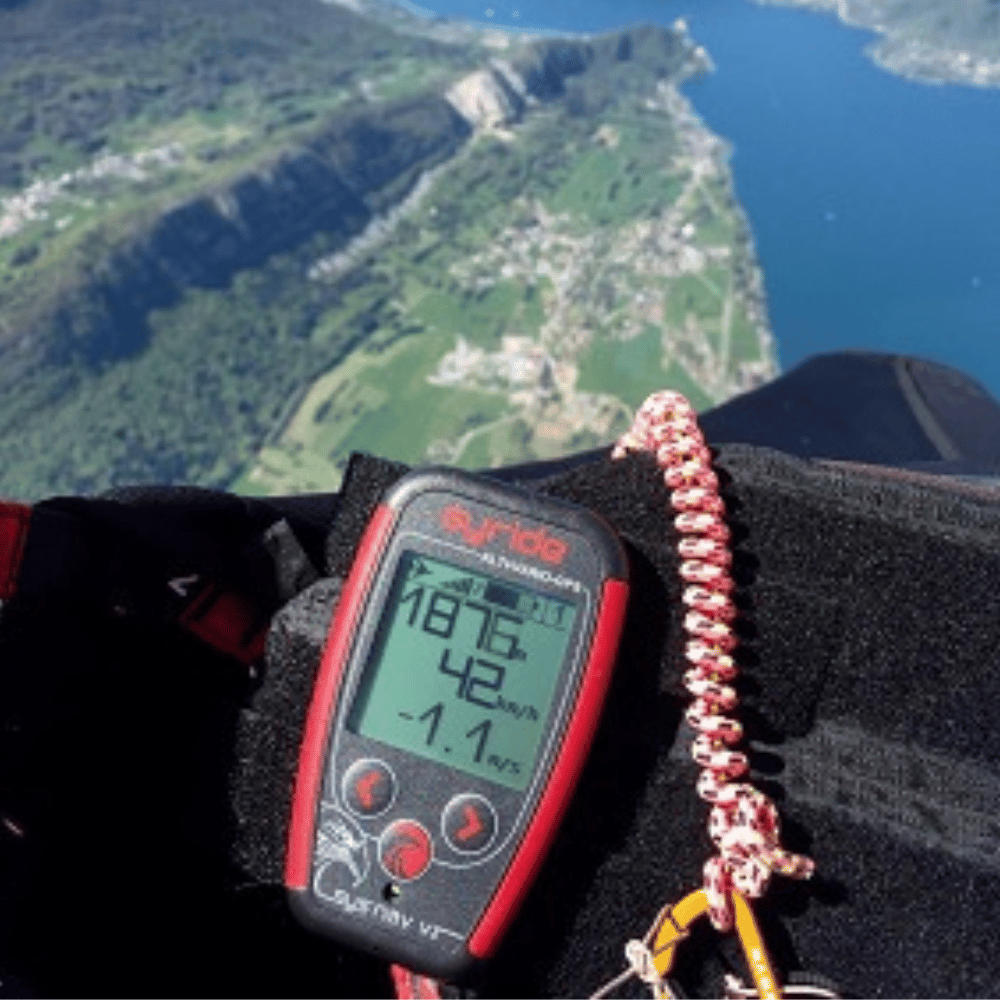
x=463 y=669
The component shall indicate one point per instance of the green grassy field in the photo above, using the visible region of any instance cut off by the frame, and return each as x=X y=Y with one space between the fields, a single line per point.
x=481 y=318
x=612 y=186
x=744 y=339
x=637 y=368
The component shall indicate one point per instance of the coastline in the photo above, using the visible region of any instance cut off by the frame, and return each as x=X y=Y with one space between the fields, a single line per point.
x=897 y=52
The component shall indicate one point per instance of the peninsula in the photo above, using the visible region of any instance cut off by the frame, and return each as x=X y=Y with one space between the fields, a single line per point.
x=576 y=255
x=936 y=41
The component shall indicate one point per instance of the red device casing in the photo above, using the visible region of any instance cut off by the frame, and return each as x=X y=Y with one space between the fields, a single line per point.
x=455 y=910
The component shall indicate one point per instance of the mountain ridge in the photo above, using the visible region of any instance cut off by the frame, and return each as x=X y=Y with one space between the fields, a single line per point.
x=242 y=285
x=99 y=315
x=204 y=241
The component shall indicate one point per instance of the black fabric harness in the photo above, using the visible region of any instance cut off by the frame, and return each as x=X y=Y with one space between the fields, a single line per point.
x=150 y=774
x=868 y=625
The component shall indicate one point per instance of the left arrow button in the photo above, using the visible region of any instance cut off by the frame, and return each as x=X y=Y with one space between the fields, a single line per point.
x=368 y=787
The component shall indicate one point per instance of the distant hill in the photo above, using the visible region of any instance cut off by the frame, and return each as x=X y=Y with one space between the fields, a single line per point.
x=943 y=41
x=81 y=76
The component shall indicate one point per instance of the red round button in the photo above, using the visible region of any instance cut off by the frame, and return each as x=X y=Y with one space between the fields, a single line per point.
x=405 y=850
x=368 y=787
x=469 y=823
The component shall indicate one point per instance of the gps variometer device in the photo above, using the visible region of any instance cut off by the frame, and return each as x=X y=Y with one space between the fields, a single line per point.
x=459 y=688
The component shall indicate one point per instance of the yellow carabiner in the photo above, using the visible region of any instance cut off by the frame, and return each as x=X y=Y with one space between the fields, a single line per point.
x=674 y=924
x=673 y=928
x=758 y=960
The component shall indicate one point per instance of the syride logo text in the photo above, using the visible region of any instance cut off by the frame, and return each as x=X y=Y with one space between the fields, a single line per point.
x=535 y=542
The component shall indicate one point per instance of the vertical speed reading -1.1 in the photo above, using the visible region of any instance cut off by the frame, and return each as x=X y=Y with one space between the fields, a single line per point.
x=463 y=669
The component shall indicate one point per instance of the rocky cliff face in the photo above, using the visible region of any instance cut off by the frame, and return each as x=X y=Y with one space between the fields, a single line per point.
x=545 y=77
x=331 y=185
x=487 y=98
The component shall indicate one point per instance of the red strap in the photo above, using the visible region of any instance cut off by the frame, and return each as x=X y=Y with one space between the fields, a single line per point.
x=14 y=518
x=224 y=619
x=412 y=986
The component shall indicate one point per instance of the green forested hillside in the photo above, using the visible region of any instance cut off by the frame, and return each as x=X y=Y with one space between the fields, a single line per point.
x=81 y=76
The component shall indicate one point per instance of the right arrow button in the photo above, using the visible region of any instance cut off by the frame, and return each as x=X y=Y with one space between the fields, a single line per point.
x=469 y=823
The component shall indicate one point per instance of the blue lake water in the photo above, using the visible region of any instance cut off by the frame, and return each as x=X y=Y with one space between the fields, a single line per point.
x=874 y=200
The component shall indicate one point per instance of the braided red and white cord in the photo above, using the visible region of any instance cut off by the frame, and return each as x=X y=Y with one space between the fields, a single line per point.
x=743 y=823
